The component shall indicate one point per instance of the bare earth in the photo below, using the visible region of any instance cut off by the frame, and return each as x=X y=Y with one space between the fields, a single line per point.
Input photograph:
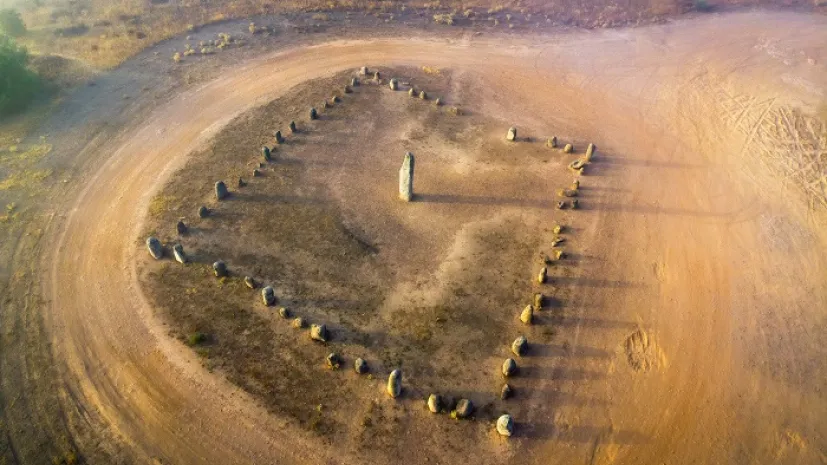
x=693 y=322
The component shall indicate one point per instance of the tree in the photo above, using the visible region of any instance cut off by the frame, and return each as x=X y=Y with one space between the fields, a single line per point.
x=18 y=84
x=11 y=23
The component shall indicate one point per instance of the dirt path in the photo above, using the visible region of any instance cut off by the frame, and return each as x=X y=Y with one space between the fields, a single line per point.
x=693 y=328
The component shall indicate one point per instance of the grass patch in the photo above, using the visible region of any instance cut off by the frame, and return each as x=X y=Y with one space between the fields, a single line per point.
x=24 y=179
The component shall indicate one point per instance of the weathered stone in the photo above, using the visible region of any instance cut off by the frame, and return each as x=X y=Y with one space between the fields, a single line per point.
x=241 y=182
x=278 y=137
x=178 y=253
x=284 y=312
x=292 y=126
x=575 y=204
x=590 y=151
x=406 y=178
x=155 y=248
x=464 y=409
x=575 y=184
x=567 y=193
x=559 y=254
x=256 y=173
x=435 y=403
x=250 y=282
x=221 y=191
x=519 y=346
x=577 y=165
x=181 y=227
x=509 y=367
x=298 y=322
x=423 y=95
x=438 y=101
x=561 y=205
x=505 y=425
x=512 y=134
x=314 y=114
x=354 y=82
x=335 y=99
x=527 y=315
x=334 y=361
x=347 y=89
x=542 y=276
x=363 y=71
x=360 y=366
x=394 y=387
x=377 y=76
x=319 y=333
x=552 y=142
x=506 y=392
x=538 y=300
x=325 y=104
x=394 y=84
x=203 y=211
x=557 y=229
x=220 y=269
x=268 y=296
x=557 y=240
x=411 y=92
x=568 y=148
x=265 y=152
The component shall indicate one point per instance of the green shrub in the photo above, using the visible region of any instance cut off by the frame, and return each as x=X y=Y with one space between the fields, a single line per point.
x=11 y=24
x=18 y=84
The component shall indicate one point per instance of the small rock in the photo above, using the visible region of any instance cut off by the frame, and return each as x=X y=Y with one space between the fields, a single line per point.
x=519 y=346
x=435 y=403
x=220 y=269
x=221 y=191
x=363 y=71
x=394 y=84
x=527 y=316
x=557 y=229
x=590 y=151
x=178 y=252
x=298 y=322
x=203 y=212
x=155 y=248
x=438 y=101
x=464 y=409
x=559 y=254
x=505 y=425
x=335 y=99
x=318 y=333
x=354 y=82
x=377 y=76
x=411 y=92
x=552 y=142
x=575 y=185
x=575 y=204
x=314 y=114
x=394 y=387
x=250 y=282
x=268 y=296
x=561 y=205
x=293 y=129
x=506 y=392
x=284 y=313
x=265 y=152
x=278 y=137
x=333 y=361
x=360 y=366
x=423 y=95
x=181 y=227
x=538 y=300
x=568 y=148
x=512 y=134
x=256 y=173
x=509 y=367
x=542 y=276
x=347 y=89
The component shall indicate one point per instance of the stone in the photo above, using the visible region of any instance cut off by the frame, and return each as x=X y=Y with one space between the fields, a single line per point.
x=567 y=193
x=377 y=76
x=538 y=300
x=155 y=248
x=590 y=151
x=360 y=366
x=181 y=227
x=298 y=322
x=559 y=254
x=394 y=84
x=423 y=95
x=512 y=134
x=250 y=282
x=509 y=367
x=278 y=137
x=325 y=104
x=575 y=204
x=411 y=92
x=178 y=253
x=568 y=148
x=505 y=425
x=464 y=409
x=347 y=89
x=220 y=269
x=557 y=229
x=394 y=387
x=221 y=191
x=319 y=333
x=577 y=164
x=561 y=205
x=203 y=212
x=314 y=114
x=265 y=152
x=241 y=182
x=434 y=403
x=335 y=99
x=519 y=346
x=552 y=142
x=284 y=313
x=268 y=296
x=354 y=82
x=363 y=71
x=334 y=361
x=575 y=185
x=292 y=126
x=527 y=315
x=506 y=392
x=542 y=276
x=256 y=173
x=406 y=178
x=438 y=101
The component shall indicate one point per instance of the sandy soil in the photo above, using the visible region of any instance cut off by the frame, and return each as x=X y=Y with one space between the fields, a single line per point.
x=691 y=328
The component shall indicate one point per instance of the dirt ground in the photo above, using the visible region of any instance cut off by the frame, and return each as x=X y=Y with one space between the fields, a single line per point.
x=690 y=315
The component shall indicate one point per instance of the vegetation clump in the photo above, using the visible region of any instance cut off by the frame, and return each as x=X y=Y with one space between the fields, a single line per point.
x=19 y=85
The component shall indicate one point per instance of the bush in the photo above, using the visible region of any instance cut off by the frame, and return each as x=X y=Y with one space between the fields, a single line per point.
x=18 y=84
x=11 y=23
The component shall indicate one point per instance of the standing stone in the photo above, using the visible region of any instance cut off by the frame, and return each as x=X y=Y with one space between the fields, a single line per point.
x=241 y=182
x=464 y=409
x=314 y=114
x=364 y=71
x=325 y=104
x=590 y=151
x=394 y=84
x=519 y=346
x=250 y=282
x=265 y=151
x=575 y=204
x=395 y=383
x=360 y=366
x=423 y=95
x=334 y=361
x=568 y=148
x=178 y=252
x=221 y=191
x=506 y=392
x=575 y=185
x=293 y=127
x=411 y=92
x=438 y=101
x=538 y=300
x=154 y=247
x=220 y=269
x=354 y=82
x=268 y=296
x=377 y=76
x=527 y=316
x=406 y=178
x=181 y=227
x=509 y=367
x=552 y=142
x=298 y=322
x=434 y=403
x=542 y=276
x=335 y=99
x=505 y=425
x=256 y=173
x=318 y=333
x=347 y=89
x=203 y=211
x=512 y=134
x=557 y=229
x=284 y=313
x=279 y=138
